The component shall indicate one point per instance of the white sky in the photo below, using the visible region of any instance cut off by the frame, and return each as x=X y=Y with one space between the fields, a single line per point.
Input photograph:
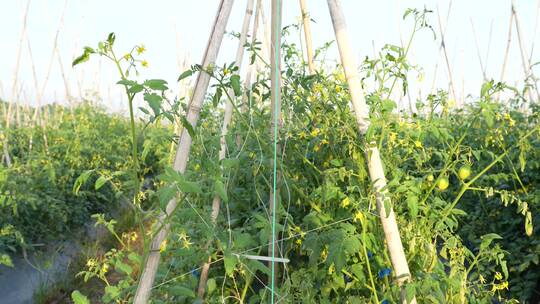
x=172 y=29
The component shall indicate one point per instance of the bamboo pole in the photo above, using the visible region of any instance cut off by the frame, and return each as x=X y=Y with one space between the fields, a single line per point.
x=376 y=172
x=508 y=42
x=275 y=109
x=227 y=117
x=534 y=32
x=482 y=67
x=184 y=145
x=524 y=58
x=5 y=149
x=307 y=35
x=443 y=45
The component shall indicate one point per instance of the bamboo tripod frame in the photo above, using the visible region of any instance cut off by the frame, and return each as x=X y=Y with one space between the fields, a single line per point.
x=361 y=110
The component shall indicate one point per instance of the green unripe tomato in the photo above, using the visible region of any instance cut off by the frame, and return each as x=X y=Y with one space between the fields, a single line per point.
x=443 y=183
x=464 y=172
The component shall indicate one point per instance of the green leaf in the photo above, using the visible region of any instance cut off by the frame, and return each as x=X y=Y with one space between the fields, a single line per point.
x=185 y=74
x=165 y=194
x=123 y=267
x=228 y=163
x=156 y=84
x=79 y=298
x=230 y=262
x=487 y=239
x=136 y=88
x=6 y=260
x=220 y=190
x=84 y=57
x=235 y=84
x=81 y=180
x=111 y=38
x=412 y=204
x=528 y=224
x=127 y=82
x=258 y=265
x=154 y=101
x=211 y=285
x=187 y=126
x=217 y=97
x=100 y=182
x=113 y=292
x=410 y=291
x=181 y=291
x=187 y=186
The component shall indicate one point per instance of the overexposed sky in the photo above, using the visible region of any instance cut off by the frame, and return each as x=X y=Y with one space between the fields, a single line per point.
x=174 y=29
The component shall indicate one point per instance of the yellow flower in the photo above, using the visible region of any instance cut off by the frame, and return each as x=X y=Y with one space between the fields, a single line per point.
x=498 y=276
x=418 y=144
x=482 y=279
x=316 y=148
x=358 y=216
x=345 y=202
x=163 y=246
x=186 y=244
x=299 y=242
x=331 y=269
x=315 y=132
x=144 y=63
x=90 y=263
x=141 y=49
x=392 y=137
x=105 y=268
x=324 y=254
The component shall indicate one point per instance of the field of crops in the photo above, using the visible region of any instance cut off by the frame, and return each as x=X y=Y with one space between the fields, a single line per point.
x=300 y=181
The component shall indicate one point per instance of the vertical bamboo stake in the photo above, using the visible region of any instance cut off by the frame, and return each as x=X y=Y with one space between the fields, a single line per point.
x=5 y=147
x=482 y=67
x=251 y=67
x=534 y=32
x=526 y=66
x=184 y=145
x=229 y=107
x=449 y=69
x=307 y=34
x=388 y=217
x=275 y=108
x=508 y=42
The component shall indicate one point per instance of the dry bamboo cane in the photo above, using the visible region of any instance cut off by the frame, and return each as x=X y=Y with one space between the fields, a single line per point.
x=184 y=145
x=507 y=50
x=448 y=68
x=227 y=117
x=7 y=157
x=526 y=65
x=508 y=42
x=251 y=67
x=275 y=95
x=361 y=110
x=307 y=35
x=482 y=67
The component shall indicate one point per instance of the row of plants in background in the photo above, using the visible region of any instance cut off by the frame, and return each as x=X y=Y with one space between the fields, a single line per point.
x=65 y=171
